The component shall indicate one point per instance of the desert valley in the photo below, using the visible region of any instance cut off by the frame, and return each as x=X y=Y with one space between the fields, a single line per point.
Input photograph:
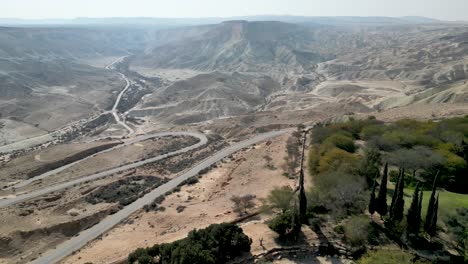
x=114 y=138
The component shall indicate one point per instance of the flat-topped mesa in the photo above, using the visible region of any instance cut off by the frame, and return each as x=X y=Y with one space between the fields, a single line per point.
x=235 y=22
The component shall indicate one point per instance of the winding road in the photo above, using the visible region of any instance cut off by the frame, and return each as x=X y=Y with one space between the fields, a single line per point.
x=61 y=186
x=115 y=111
x=92 y=233
x=20 y=198
x=77 y=242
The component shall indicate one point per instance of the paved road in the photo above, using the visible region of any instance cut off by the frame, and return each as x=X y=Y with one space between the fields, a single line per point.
x=115 y=111
x=126 y=143
x=92 y=233
x=61 y=186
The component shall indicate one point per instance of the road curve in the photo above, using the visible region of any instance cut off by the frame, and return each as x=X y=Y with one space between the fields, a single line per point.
x=61 y=186
x=126 y=143
x=92 y=233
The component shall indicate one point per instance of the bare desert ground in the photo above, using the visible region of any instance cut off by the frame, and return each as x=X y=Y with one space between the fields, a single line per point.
x=204 y=203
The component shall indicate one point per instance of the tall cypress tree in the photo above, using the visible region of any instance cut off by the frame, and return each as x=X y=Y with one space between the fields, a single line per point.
x=372 y=199
x=464 y=147
x=430 y=206
x=412 y=217
x=381 y=202
x=295 y=222
x=420 y=209
x=433 y=226
x=395 y=193
x=302 y=196
x=399 y=206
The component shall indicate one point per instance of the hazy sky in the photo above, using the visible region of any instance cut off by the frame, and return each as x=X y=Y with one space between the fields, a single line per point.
x=441 y=9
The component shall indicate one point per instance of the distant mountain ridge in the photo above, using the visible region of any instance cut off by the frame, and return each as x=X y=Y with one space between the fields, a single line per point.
x=259 y=46
x=214 y=20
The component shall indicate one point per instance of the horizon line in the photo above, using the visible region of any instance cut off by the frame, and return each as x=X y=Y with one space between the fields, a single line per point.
x=217 y=17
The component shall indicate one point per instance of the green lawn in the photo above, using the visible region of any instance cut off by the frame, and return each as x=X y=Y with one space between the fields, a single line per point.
x=448 y=201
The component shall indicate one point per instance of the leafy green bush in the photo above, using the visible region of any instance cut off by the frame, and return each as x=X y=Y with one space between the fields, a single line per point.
x=341 y=141
x=457 y=224
x=140 y=253
x=218 y=243
x=390 y=256
x=372 y=131
x=356 y=230
x=341 y=192
x=285 y=224
x=281 y=198
x=339 y=229
x=336 y=158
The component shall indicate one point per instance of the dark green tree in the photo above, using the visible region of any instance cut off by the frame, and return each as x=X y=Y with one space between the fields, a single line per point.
x=296 y=222
x=395 y=193
x=302 y=196
x=419 y=215
x=433 y=226
x=372 y=199
x=464 y=147
x=370 y=165
x=399 y=205
x=430 y=206
x=286 y=224
x=413 y=217
x=381 y=202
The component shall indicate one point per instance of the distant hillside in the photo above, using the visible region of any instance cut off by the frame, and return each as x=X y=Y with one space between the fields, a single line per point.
x=241 y=46
x=52 y=43
x=208 y=96
x=45 y=80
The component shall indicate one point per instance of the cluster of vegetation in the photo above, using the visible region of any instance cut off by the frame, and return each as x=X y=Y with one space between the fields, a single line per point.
x=390 y=256
x=422 y=148
x=78 y=156
x=242 y=204
x=175 y=164
x=290 y=204
x=352 y=163
x=124 y=191
x=293 y=153
x=457 y=224
x=218 y=243
x=154 y=205
x=88 y=127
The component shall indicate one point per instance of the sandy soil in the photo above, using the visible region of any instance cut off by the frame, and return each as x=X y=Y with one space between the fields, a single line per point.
x=206 y=202
x=166 y=74
x=37 y=225
x=13 y=131
x=100 y=62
